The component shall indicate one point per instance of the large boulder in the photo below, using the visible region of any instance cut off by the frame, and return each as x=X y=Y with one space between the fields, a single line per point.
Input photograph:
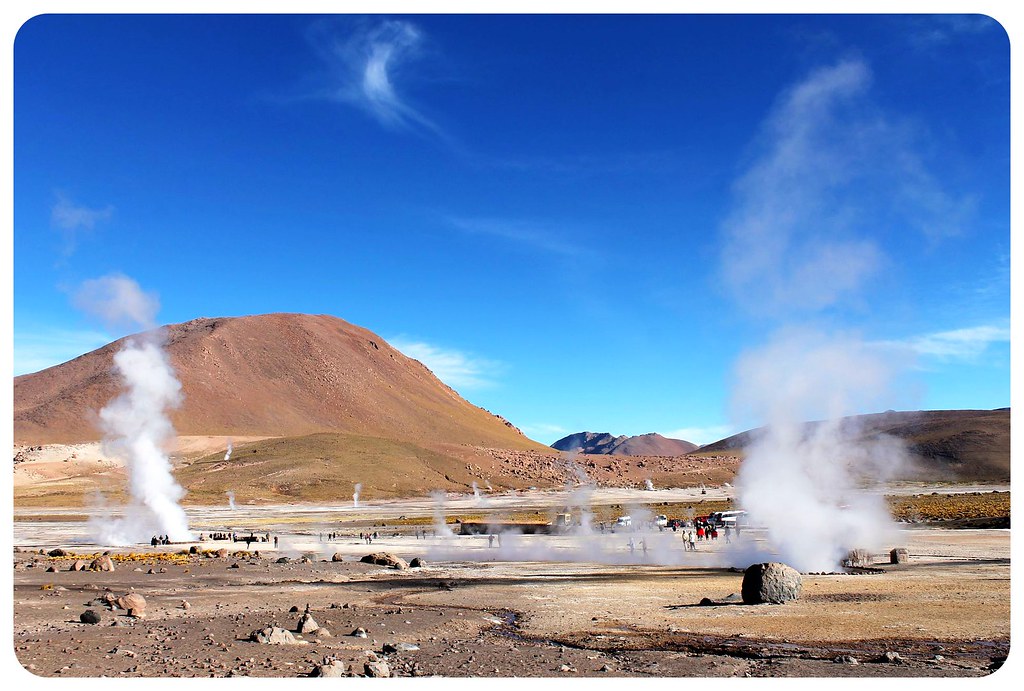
x=338 y=556
x=899 y=555
x=79 y=565
x=385 y=559
x=771 y=582
x=57 y=553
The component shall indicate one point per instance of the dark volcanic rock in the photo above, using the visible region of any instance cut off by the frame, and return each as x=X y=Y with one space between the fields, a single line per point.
x=771 y=582
x=385 y=559
x=417 y=563
x=900 y=555
x=89 y=616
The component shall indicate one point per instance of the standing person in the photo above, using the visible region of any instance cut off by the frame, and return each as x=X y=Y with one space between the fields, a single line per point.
x=727 y=531
x=275 y=542
x=693 y=542
x=632 y=546
x=490 y=540
x=700 y=533
x=714 y=533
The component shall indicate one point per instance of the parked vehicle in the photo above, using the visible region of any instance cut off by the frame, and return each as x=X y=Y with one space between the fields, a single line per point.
x=661 y=520
x=624 y=520
x=729 y=518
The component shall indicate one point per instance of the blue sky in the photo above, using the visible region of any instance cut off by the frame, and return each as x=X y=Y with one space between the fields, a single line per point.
x=579 y=222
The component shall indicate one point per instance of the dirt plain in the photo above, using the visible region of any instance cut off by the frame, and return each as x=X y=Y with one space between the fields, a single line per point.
x=535 y=606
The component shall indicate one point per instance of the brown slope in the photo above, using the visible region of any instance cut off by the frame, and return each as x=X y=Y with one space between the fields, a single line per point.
x=269 y=375
x=943 y=444
x=653 y=444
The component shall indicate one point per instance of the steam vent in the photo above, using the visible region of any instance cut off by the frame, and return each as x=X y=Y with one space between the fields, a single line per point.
x=771 y=582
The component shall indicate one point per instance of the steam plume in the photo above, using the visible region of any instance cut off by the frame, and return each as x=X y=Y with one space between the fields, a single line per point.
x=135 y=423
x=231 y=498
x=355 y=495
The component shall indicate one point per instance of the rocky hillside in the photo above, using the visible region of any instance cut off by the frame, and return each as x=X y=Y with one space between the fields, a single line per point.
x=269 y=375
x=641 y=445
x=943 y=444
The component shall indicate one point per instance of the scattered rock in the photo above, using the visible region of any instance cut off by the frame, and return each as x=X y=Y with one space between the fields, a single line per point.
x=103 y=563
x=385 y=559
x=892 y=658
x=706 y=602
x=359 y=632
x=222 y=553
x=565 y=668
x=193 y=550
x=274 y=635
x=770 y=582
x=133 y=603
x=294 y=608
x=185 y=604
x=846 y=660
x=417 y=563
x=234 y=566
x=330 y=668
x=899 y=555
x=78 y=565
x=858 y=557
x=283 y=560
x=376 y=669
x=307 y=624
x=89 y=616
x=52 y=569
x=57 y=553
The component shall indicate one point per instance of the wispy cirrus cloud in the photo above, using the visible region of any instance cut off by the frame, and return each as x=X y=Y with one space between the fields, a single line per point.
x=73 y=220
x=35 y=350
x=368 y=60
x=535 y=235
x=544 y=432
x=456 y=368
x=966 y=344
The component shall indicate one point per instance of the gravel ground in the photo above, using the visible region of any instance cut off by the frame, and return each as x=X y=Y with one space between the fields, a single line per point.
x=536 y=607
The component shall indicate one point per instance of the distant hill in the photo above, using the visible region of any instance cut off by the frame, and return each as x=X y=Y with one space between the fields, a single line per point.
x=944 y=444
x=641 y=445
x=269 y=375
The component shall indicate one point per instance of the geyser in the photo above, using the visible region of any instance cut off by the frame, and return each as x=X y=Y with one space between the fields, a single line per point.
x=135 y=424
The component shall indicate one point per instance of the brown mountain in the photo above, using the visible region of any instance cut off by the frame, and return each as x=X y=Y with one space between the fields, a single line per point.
x=269 y=375
x=943 y=444
x=651 y=444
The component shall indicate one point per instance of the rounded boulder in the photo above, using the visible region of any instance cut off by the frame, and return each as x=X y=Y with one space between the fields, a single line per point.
x=771 y=582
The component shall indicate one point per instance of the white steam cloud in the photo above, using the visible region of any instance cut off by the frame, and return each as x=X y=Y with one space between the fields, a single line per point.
x=795 y=244
x=355 y=495
x=806 y=482
x=135 y=424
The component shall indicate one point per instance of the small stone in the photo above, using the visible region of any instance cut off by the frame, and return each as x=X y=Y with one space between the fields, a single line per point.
x=359 y=632
x=338 y=557
x=417 y=563
x=89 y=616
x=307 y=624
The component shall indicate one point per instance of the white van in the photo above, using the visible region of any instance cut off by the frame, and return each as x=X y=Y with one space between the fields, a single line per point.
x=624 y=520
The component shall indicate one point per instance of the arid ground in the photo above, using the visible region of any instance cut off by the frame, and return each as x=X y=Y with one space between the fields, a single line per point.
x=537 y=605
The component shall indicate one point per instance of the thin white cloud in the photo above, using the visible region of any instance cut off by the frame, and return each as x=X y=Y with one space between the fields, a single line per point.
x=967 y=344
x=544 y=431
x=73 y=219
x=700 y=435
x=366 y=64
x=37 y=350
x=533 y=235
x=829 y=170
x=456 y=368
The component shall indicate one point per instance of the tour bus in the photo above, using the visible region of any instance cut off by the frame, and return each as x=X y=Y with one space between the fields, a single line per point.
x=729 y=518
